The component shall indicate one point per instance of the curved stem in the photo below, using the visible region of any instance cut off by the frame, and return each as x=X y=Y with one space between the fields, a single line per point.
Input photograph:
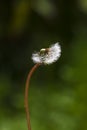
x=26 y=94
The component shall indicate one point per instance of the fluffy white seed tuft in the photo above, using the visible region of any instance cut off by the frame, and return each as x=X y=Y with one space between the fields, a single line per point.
x=47 y=55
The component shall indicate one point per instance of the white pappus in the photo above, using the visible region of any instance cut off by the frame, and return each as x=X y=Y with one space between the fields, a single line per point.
x=47 y=55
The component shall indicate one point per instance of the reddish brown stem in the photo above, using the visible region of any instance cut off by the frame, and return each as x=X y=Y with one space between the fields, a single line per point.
x=26 y=94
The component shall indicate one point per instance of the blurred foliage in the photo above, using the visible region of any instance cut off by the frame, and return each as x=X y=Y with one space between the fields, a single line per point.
x=58 y=93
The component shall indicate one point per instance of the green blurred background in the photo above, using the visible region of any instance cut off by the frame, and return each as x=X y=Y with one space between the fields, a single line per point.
x=58 y=92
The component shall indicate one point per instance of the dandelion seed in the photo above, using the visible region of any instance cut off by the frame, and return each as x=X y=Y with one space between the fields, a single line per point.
x=47 y=55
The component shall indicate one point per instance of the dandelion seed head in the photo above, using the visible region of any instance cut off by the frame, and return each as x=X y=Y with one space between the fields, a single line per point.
x=47 y=55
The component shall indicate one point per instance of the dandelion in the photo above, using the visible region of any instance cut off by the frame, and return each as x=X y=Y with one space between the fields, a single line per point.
x=45 y=56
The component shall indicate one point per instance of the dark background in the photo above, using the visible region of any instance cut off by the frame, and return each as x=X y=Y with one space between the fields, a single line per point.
x=58 y=92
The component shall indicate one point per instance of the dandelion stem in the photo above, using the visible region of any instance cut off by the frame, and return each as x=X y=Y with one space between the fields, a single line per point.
x=26 y=93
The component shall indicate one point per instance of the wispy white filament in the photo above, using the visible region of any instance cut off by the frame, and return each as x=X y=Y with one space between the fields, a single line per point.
x=52 y=55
